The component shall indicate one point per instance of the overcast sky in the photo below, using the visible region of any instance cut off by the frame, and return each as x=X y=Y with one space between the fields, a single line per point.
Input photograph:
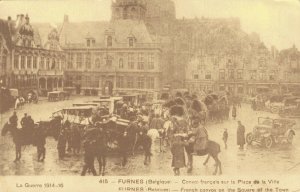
x=276 y=21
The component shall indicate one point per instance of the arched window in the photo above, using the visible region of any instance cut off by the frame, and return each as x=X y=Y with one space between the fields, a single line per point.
x=130 y=42
x=109 y=41
x=121 y=65
x=97 y=63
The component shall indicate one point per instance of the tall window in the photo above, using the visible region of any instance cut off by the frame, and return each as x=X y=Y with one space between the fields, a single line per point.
x=130 y=82
x=109 y=41
x=130 y=61
x=253 y=75
x=22 y=62
x=42 y=63
x=196 y=76
x=16 y=62
x=130 y=42
x=208 y=75
x=240 y=74
x=222 y=74
x=141 y=61
x=34 y=62
x=48 y=63
x=120 y=82
x=70 y=60
x=121 y=64
x=109 y=61
x=151 y=61
x=140 y=83
x=98 y=63
x=272 y=75
x=88 y=61
x=53 y=64
x=79 y=60
x=151 y=83
x=230 y=74
x=29 y=62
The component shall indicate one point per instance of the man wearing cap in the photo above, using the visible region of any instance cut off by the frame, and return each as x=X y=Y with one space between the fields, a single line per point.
x=241 y=135
x=199 y=135
x=13 y=120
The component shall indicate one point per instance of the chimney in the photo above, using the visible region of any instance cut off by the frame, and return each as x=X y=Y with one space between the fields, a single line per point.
x=27 y=19
x=9 y=18
x=66 y=18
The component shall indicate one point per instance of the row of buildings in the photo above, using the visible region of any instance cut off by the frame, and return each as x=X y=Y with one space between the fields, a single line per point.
x=142 y=49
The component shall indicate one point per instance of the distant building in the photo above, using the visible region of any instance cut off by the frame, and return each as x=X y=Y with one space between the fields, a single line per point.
x=116 y=57
x=30 y=64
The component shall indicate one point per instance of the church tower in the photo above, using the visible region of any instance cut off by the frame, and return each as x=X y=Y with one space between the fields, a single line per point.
x=129 y=9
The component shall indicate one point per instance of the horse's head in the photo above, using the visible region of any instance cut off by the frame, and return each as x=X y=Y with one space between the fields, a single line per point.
x=6 y=128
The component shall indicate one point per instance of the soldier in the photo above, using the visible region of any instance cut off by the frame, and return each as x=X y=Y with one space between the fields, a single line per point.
x=24 y=121
x=101 y=142
x=124 y=147
x=89 y=157
x=225 y=137
x=241 y=135
x=13 y=120
x=61 y=144
x=199 y=135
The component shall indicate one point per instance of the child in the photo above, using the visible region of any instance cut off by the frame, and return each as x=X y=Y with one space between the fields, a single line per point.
x=225 y=137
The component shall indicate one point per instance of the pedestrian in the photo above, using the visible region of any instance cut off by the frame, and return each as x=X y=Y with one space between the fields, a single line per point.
x=101 y=143
x=241 y=135
x=76 y=140
x=178 y=156
x=198 y=135
x=24 y=121
x=89 y=157
x=124 y=147
x=225 y=137
x=17 y=103
x=61 y=144
x=234 y=112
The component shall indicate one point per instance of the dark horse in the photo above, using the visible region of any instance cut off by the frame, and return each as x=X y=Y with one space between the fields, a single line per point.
x=36 y=136
x=212 y=150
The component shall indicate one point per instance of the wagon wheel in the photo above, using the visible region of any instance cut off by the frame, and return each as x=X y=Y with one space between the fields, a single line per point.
x=268 y=142
x=249 y=138
x=290 y=138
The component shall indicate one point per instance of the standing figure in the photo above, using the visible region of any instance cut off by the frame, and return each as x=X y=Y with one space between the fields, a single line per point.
x=225 y=137
x=24 y=121
x=234 y=112
x=101 y=142
x=89 y=157
x=178 y=156
x=13 y=120
x=76 y=140
x=124 y=147
x=241 y=135
x=61 y=144
x=17 y=103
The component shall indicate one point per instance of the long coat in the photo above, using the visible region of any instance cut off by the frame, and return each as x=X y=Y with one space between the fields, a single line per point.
x=234 y=112
x=177 y=149
x=241 y=135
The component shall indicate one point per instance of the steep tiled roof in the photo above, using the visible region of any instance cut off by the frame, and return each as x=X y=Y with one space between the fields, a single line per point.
x=76 y=33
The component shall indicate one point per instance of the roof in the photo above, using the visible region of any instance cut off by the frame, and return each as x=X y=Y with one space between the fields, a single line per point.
x=75 y=34
x=5 y=31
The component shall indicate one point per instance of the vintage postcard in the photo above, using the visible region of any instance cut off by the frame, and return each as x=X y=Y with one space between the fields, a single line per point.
x=150 y=95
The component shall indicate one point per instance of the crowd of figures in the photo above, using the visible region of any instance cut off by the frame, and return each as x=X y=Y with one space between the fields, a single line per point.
x=179 y=124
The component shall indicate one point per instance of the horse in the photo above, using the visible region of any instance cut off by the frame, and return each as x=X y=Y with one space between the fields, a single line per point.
x=23 y=138
x=212 y=150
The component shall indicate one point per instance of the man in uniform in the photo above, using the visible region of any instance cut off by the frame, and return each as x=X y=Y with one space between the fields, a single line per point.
x=89 y=156
x=13 y=120
x=61 y=144
x=199 y=135
x=24 y=121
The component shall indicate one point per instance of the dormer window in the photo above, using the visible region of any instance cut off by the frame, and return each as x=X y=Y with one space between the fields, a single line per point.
x=88 y=43
x=130 y=42
x=109 y=41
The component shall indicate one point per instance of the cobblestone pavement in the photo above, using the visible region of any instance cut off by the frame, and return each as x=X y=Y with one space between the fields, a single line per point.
x=253 y=160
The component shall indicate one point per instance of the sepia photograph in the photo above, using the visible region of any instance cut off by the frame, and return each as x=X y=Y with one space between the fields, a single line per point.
x=149 y=88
